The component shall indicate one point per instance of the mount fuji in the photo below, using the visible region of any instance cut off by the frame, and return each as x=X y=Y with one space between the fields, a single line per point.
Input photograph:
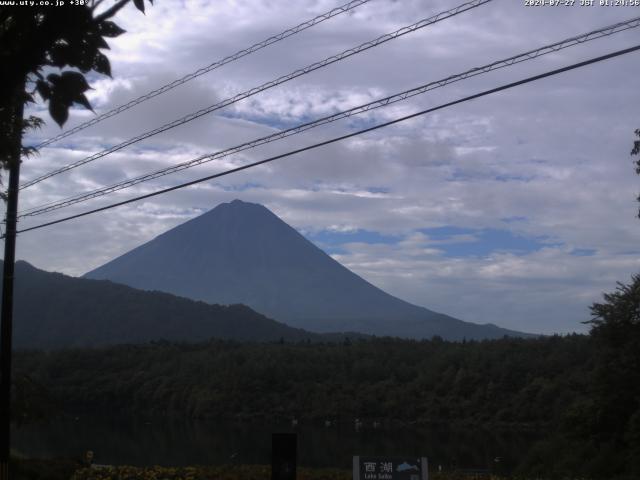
x=241 y=252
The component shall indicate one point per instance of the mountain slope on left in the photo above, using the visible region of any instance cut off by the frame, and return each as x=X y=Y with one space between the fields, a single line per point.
x=52 y=310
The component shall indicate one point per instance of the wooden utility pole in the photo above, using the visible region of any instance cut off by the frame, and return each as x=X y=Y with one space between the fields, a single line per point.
x=6 y=319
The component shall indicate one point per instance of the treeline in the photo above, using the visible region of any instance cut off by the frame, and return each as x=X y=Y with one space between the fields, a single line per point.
x=552 y=384
x=582 y=391
x=509 y=383
x=55 y=311
x=505 y=382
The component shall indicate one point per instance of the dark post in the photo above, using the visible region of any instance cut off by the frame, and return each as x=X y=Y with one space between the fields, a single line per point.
x=6 y=318
x=284 y=456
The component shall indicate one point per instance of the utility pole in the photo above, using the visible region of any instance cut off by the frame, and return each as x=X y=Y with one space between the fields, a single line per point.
x=6 y=319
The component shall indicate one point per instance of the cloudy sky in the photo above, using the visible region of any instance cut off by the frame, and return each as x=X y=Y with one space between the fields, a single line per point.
x=517 y=208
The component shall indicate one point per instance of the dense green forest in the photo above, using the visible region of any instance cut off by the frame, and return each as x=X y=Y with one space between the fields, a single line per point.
x=543 y=384
x=508 y=382
x=582 y=391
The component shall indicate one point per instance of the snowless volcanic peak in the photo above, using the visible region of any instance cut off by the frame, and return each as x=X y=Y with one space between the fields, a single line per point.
x=241 y=252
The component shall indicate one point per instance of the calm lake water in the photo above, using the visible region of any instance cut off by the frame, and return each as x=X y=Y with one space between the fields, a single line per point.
x=180 y=443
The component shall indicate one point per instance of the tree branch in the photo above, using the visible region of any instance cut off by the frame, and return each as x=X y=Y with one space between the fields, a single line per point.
x=111 y=11
x=96 y=4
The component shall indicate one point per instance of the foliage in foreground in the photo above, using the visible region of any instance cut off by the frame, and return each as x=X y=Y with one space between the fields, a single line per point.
x=225 y=472
x=32 y=469
x=37 y=469
x=244 y=472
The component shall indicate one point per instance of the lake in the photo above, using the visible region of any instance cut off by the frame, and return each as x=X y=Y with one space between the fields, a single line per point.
x=175 y=442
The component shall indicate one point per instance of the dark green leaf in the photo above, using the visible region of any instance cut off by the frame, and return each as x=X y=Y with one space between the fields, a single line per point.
x=43 y=89
x=139 y=5
x=32 y=122
x=67 y=89
x=58 y=111
x=53 y=79
x=101 y=42
x=28 y=151
x=82 y=100
x=85 y=63
x=110 y=29
x=74 y=82
x=101 y=64
x=60 y=55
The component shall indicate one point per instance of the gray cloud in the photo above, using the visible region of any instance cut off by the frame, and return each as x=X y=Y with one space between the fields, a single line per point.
x=554 y=153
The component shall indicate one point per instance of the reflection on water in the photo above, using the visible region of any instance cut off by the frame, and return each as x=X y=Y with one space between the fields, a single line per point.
x=180 y=443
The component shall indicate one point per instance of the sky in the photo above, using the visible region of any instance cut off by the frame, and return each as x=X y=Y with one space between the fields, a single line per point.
x=517 y=209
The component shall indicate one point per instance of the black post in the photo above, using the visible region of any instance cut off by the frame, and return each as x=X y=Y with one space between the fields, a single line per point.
x=6 y=313
x=284 y=456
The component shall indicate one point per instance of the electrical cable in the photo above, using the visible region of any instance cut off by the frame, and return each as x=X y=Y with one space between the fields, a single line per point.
x=285 y=78
x=530 y=55
x=236 y=56
x=342 y=137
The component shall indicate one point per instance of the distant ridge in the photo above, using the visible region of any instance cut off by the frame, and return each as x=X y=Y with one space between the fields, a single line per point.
x=241 y=252
x=53 y=310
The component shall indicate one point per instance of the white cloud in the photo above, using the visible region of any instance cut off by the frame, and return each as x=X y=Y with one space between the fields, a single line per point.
x=554 y=153
x=546 y=291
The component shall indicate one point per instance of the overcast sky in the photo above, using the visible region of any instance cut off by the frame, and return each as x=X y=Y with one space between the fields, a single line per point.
x=517 y=208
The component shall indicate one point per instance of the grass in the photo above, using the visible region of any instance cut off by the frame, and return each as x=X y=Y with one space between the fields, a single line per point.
x=35 y=469
x=224 y=472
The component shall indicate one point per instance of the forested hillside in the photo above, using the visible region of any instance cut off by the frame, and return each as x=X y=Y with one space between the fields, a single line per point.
x=53 y=310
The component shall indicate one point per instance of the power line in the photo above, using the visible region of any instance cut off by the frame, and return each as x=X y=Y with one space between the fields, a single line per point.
x=231 y=58
x=343 y=137
x=285 y=78
x=530 y=55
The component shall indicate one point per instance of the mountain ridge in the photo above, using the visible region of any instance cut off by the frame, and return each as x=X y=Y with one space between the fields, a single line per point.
x=53 y=310
x=241 y=252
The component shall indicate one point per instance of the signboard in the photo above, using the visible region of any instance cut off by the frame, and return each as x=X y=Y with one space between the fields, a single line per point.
x=390 y=468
